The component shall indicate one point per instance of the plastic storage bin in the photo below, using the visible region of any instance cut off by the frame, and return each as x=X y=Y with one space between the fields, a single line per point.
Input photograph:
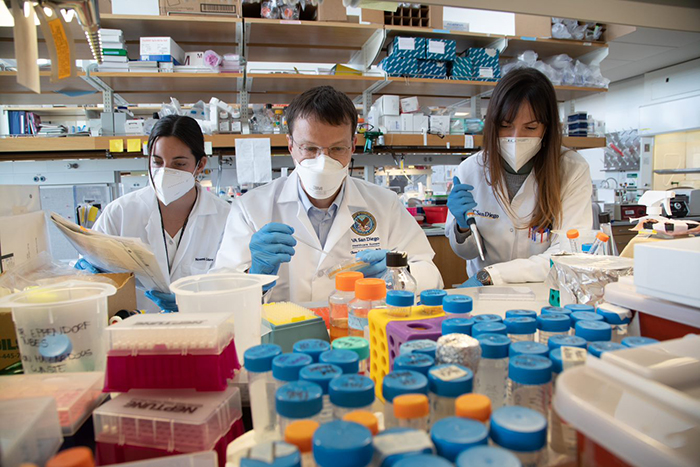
x=200 y=459
x=143 y=424
x=76 y=394
x=173 y=351
x=74 y=309
x=29 y=431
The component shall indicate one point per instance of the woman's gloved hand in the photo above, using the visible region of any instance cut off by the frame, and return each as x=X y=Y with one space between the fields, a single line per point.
x=84 y=265
x=460 y=202
x=270 y=247
x=165 y=301
x=471 y=282
x=376 y=260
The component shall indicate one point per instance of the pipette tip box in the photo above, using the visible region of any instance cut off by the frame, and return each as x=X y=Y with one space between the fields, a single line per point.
x=29 y=431
x=76 y=394
x=146 y=424
x=175 y=351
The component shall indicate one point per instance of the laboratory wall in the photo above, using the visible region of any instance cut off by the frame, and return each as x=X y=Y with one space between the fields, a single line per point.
x=677 y=151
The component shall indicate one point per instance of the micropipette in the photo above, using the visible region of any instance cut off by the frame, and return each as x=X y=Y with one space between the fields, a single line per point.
x=471 y=222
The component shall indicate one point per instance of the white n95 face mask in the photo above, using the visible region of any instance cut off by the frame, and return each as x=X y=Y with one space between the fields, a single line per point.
x=171 y=184
x=321 y=176
x=518 y=151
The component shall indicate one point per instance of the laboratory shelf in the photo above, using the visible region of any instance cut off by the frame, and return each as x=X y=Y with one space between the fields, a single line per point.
x=12 y=92
x=693 y=170
x=547 y=48
x=283 y=87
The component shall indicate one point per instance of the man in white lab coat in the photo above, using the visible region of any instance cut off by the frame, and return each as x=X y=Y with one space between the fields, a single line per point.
x=300 y=226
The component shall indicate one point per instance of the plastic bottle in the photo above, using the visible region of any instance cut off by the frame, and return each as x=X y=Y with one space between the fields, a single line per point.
x=72 y=457
x=487 y=456
x=397 y=276
x=358 y=345
x=262 y=387
x=322 y=374
x=423 y=460
x=557 y=364
x=298 y=400
x=311 y=347
x=396 y=384
x=601 y=240
x=369 y=294
x=474 y=406
x=566 y=341
x=349 y=393
x=300 y=434
x=521 y=328
x=339 y=300
x=432 y=301
x=457 y=326
x=487 y=317
x=364 y=418
x=286 y=367
x=521 y=314
x=347 y=360
x=492 y=376
x=573 y=235
x=348 y=441
x=617 y=317
x=453 y=435
x=528 y=348
x=414 y=361
x=489 y=327
x=523 y=432
x=412 y=411
x=458 y=306
x=394 y=444
x=530 y=382
x=399 y=303
x=594 y=331
x=599 y=348
x=551 y=325
x=424 y=346
x=633 y=342
x=446 y=383
x=562 y=435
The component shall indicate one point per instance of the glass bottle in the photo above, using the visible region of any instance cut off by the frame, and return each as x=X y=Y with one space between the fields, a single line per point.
x=487 y=455
x=300 y=434
x=322 y=374
x=492 y=376
x=556 y=342
x=489 y=327
x=528 y=348
x=424 y=346
x=551 y=325
x=599 y=348
x=399 y=303
x=633 y=342
x=446 y=383
x=458 y=306
x=474 y=406
x=521 y=328
x=594 y=331
x=339 y=300
x=339 y=439
x=397 y=276
x=369 y=294
x=419 y=362
x=431 y=300
x=364 y=418
x=298 y=400
x=523 y=432
x=530 y=382
x=311 y=347
x=617 y=317
x=521 y=314
x=457 y=326
x=483 y=318
x=286 y=367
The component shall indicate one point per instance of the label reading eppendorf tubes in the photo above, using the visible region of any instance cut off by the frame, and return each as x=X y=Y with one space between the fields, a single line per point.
x=448 y=373
x=162 y=406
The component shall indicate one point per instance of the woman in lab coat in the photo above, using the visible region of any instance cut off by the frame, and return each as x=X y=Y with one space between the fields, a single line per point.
x=181 y=222
x=519 y=188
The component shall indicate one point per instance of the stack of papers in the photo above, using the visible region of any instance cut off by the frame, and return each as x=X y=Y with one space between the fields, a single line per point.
x=143 y=66
x=48 y=129
x=194 y=69
x=114 y=55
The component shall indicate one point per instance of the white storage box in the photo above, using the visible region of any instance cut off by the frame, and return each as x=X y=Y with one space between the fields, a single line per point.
x=390 y=123
x=388 y=105
x=29 y=431
x=154 y=47
x=440 y=124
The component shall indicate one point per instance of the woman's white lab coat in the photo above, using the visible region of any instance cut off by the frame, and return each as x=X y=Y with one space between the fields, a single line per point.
x=136 y=214
x=369 y=217
x=513 y=255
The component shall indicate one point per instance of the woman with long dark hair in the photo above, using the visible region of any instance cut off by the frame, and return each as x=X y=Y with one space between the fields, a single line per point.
x=519 y=188
x=181 y=222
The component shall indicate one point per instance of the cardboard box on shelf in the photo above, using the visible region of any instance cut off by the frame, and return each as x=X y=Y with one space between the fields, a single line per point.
x=407 y=47
x=533 y=26
x=399 y=66
x=462 y=67
x=409 y=104
x=159 y=49
x=440 y=49
x=332 y=10
x=198 y=7
x=420 y=123
x=440 y=123
x=432 y=69
x=406 y=123
x=371 y=16
x=485 y=63
x=391 y=123
x=388 y=105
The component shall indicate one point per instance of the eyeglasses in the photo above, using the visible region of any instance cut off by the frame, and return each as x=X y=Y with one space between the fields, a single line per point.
x=313 y=151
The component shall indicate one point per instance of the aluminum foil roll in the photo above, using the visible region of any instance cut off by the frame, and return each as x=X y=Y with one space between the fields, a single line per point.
x=460 y=349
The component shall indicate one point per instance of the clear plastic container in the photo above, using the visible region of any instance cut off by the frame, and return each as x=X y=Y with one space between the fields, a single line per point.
x=424 y=346
x=457 y=326
x=552 y=324
x=394 y=444
x=457 y=306
x=298 y=400
x=556 y=342
x=594 y=331
x=261 y=388
x=419 y=362
x=369 y=294
x=530 y=382
x=521 y=314
x=339 y=439
x=485 y=456
x=300 y=434
x=453 y=435
x=349 y=393
x=562 y=435
x=432 y=301
x=528 y=348
x=412 y=411
x=322 y=374
x=311 y=347
x=573 y=236
x=397 y=276
x=599 y=348
x=358 y=345
x=30 y=431
x=521 y=328
x=347 y=360
x=399 y=303
x=489 y=327
x=365 y=418
x=523 y=432
x=398 y=383
x=446 y=383
x=473 y=406
x=267 y=454
x=492 y=376
x=617 y=317
x=286 y=367
x=339 y=300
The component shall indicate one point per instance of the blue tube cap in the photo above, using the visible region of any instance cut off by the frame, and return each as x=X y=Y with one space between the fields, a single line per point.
x=594 y=331
x=258 y=359
x=490 y=327
x=272 y=454
x=401 y=382
x=557 y=360
x=521 y=314
x=452 y=435
x=299 y=399
x=55 y=348
x=420 y=444
x=457 y=326
x=487 y=317
x=574 y=307
x=519 y=429
x=432 y=297
x=321 y=374
x=423 y=460
x=450 y=380
x=599 y=348
x=577 y=316
x=566 y=341
x=457 y=304
x=528 y=348
x=494 y=346
x=312 y=347
x=530 y=369
x=419 y=362
x=555 y=309
x=614 y=314
x=342 y=444
x=424 y=346
x=487 y=456
x=553 y=322
x=520 y=325
x=347 y=360
x=351 y=391
x=400 y=298
x=633 y=342
x=286 y=367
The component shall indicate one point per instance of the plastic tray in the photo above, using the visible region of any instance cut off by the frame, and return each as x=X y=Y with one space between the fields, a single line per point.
x=29 y=431
x=201 y=459
x=76 y=394
x=505 y=293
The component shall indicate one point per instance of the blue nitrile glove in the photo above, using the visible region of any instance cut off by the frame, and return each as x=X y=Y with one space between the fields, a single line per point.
x=471 y=282
x=270 y=247
x=376 y=260
x=84 y=265
x=165 y=301
x=460 y=202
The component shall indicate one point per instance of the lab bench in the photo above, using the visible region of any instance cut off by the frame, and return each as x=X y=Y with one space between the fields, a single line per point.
x=623 y=234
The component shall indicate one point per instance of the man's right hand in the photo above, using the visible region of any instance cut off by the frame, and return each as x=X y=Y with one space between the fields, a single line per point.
x=460 y=202
x=270 y=247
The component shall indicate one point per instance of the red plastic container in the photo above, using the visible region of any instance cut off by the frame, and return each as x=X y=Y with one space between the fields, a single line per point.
x=435 y=214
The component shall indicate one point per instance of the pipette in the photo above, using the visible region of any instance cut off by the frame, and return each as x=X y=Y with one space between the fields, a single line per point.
x=471 y=222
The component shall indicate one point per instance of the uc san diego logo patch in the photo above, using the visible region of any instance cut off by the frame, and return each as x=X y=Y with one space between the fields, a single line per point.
x=365 y=223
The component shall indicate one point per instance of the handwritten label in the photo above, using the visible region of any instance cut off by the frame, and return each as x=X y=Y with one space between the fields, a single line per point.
x=32 y=339
x=407 y=43
x=572 y=357
x=448 y=373
x=116 y=145
x=436 y=47
x=62 y=48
